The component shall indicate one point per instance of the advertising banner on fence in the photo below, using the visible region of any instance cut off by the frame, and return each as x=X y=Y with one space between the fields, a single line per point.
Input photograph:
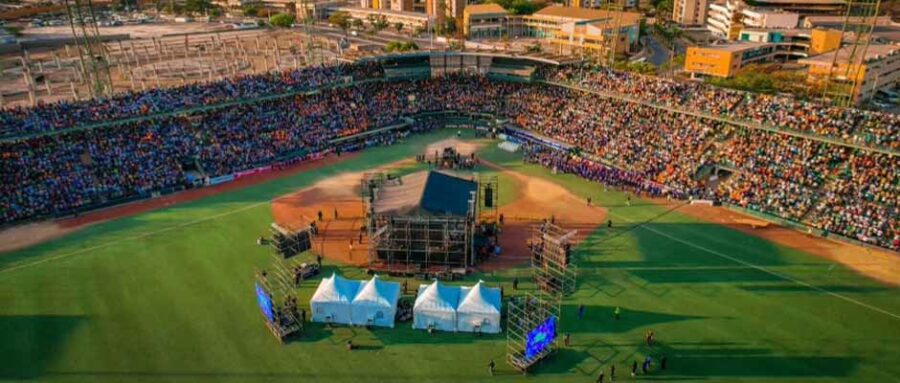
x=251 y=172
x=220 y=180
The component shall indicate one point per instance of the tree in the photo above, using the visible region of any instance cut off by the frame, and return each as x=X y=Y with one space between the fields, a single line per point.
x=197 y=6
x=341 y=20
x=379 y=23
x=250 y=10
x=397 y=46
x=282 y=20
x=521 y=7
x=450 y=26
x=398 y=26
x=357 y=23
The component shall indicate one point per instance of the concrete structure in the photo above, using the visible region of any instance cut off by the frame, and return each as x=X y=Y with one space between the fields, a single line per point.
x=484 y=21
x=690 y=12
x=768 y=18
x=806 y=7
x=410 y=20
x=726 y=60
x=879 y=70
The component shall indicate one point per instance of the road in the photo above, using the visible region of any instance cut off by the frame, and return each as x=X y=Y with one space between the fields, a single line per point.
x=658 y=53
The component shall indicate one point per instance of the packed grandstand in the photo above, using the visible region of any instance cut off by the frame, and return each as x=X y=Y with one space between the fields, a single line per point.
x=830 y=168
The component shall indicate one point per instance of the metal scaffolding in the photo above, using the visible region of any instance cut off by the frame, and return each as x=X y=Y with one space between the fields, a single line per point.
x=551 y=259
x=416 y=243
x=526 y=313
x=289 y=242
x=554 y=272
x=279 y=286
x=845 y=80
x=93 y=58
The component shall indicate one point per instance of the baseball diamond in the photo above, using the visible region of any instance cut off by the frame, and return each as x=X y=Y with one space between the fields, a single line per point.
x=508 y=220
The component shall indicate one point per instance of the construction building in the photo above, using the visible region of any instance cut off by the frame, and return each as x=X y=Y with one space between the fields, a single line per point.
x=878 y=70
x=410 y=20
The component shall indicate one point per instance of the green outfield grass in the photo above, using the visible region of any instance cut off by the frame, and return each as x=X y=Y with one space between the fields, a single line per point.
x=167 y=296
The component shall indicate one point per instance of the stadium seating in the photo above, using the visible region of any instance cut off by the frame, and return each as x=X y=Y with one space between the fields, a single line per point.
x=628 y=143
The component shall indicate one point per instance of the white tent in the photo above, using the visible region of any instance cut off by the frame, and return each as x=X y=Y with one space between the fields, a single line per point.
x=331 y=301
x=435 y=307
x=376 y=303
x=479 y=309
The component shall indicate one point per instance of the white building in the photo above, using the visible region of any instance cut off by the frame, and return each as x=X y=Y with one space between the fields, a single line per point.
x=725 y=20
x=769 y=18
x=722 y=20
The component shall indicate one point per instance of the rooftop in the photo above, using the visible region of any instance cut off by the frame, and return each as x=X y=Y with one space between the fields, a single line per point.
x=804 y=2
x=386 y=12
x=484 y=8
x=736 y=46
x=873 y=53
x=582 y=14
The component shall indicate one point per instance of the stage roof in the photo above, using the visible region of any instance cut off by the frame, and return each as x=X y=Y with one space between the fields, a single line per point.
x=426 y=193
x=446 y=194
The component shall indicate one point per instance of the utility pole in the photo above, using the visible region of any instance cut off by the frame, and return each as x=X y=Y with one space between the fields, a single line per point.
x=846 y=75
x=92 y=55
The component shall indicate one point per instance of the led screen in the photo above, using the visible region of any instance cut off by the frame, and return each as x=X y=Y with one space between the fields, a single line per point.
x=540 y=338
x=265 y=303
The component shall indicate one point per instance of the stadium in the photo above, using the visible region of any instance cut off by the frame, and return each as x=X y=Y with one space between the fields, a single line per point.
x=449 y=216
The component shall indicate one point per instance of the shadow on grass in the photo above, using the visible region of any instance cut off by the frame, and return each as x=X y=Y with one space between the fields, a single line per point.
x=795 y=288
x=28 y=344
x=600 y=319
x=698 y=361
x=404 y=334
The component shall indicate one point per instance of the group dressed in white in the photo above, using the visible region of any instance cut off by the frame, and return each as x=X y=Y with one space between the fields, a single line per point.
x=437 y=307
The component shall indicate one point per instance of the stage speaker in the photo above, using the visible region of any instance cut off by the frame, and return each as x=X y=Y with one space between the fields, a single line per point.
x=488 y=197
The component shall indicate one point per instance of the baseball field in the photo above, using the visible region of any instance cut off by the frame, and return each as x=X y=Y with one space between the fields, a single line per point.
x=164 y=293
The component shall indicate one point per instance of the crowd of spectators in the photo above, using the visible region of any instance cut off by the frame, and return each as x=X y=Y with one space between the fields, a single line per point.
x=639 y=147
x=853 y=125
x=70 y=114
x=863 y=202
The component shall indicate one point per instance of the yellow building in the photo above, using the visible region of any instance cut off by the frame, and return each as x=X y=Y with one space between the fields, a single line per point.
x=824 y=40
x=580 y=28
x=880 y=69
x=484 y=21
x=726 y=60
